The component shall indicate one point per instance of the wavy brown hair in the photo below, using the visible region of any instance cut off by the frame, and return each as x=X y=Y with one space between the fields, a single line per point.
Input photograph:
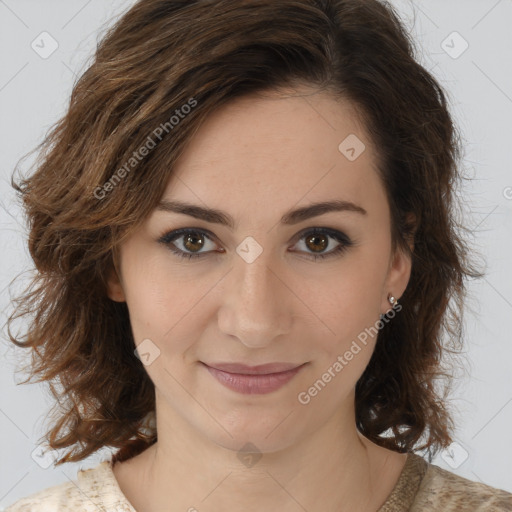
x=157 y=57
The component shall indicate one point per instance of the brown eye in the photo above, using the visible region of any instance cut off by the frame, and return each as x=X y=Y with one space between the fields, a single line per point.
x=317 y=243
x=188 y=243
x=193 y=242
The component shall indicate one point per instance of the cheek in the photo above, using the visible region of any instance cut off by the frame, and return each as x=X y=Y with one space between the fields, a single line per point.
x=349 y=307
x=167 y=304
x=155 y=295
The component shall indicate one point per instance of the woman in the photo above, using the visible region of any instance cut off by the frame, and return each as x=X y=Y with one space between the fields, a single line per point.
x=245 y=252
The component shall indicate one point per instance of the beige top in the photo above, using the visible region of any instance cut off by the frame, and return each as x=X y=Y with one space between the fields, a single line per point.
x=421 y=487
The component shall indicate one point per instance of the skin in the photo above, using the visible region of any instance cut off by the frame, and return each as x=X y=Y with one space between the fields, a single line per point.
x=255 y=159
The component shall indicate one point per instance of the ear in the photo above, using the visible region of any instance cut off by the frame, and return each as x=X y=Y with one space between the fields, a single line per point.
x=114 y=286
x=399 y=271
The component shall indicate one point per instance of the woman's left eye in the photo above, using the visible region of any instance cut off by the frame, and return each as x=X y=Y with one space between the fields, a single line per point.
x=196 y=239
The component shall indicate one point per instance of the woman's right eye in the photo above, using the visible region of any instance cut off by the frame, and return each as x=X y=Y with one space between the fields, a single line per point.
x=189 y=239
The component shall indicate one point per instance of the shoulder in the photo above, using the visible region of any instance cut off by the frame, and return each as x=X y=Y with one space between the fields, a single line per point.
x=94 y=489
x=442 y=490
x=62 y=497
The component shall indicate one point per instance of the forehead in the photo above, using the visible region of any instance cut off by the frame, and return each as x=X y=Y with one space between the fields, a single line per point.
x=280 y=149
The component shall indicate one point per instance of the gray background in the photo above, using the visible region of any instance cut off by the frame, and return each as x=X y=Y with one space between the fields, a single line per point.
x=34 y=92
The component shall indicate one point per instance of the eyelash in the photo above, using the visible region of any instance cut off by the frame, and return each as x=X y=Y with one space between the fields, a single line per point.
x=345 y=242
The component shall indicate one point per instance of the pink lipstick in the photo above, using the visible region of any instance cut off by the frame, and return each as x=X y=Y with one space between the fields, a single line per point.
x=253 y=379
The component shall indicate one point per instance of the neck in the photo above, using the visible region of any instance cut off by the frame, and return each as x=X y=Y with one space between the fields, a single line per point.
x=333 y=468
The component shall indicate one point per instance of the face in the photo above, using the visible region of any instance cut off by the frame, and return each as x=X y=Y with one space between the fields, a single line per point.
x=264 y=286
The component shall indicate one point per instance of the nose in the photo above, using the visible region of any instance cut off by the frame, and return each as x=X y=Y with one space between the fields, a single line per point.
x=257 y=304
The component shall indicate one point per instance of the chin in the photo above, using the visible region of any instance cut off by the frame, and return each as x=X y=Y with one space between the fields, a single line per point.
x=266 y=437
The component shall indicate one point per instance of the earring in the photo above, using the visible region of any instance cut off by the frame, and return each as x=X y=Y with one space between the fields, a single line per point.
x=392 y=300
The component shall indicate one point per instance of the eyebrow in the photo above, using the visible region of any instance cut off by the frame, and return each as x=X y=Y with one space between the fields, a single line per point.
x=289 y=218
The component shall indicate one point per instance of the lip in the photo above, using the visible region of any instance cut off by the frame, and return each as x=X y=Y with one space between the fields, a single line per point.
x=261 y=369
x=256 y=379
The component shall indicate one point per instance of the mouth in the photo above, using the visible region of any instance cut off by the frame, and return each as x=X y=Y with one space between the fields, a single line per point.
x=262 y=369
x=256 y=379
